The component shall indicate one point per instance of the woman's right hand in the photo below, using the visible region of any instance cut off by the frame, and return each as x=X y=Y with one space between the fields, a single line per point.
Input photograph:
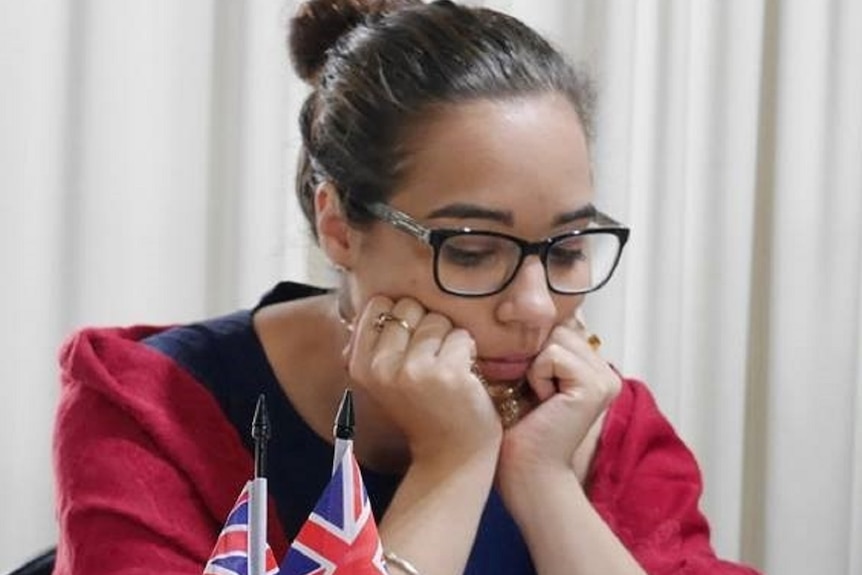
x=421 y=377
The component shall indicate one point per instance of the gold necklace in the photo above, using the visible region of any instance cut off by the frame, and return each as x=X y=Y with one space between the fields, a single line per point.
x=512 y=402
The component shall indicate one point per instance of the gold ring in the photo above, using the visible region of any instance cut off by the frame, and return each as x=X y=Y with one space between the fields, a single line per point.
x=594 y=341
x=384 y=317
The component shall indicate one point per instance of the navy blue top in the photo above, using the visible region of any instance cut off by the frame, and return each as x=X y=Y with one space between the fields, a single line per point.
x=225 y=355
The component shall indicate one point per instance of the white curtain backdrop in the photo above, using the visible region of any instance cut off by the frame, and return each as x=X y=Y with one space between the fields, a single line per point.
x=146 y=162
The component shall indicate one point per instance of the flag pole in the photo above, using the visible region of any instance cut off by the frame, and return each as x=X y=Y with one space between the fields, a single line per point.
x=343 y=428
x=257 y=492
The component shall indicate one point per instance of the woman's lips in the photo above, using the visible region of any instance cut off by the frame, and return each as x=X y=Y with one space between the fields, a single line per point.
x=504 y=368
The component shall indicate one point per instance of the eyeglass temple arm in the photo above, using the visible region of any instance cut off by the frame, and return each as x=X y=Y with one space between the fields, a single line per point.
x=603 y=219
x=407 y=224
x=400 y=220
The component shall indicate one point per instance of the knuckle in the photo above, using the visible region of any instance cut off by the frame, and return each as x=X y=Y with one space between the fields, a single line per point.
x=459 y=335
x=409 y=310
x=380 y=368
x=555 y=351
x=445 y=374
x=380 y=301
x=608 y=389
x=562 y=332
x=438 y=321
x=411 y=372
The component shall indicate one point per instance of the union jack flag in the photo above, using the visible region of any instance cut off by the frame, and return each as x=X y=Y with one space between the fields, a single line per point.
x=340 y=536
x=230 y=554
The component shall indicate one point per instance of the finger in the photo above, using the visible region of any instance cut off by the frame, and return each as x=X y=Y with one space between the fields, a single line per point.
x=542 y=374
x=429 y=335
x=365 y=336
x=543 y=386
x=558 y=369
x=458 y=351
x=577 y=339
x=459 y=347
x=397 y=324
x=582 y=375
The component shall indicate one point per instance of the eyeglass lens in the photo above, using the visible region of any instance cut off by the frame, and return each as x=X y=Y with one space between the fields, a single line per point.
x=475 y=263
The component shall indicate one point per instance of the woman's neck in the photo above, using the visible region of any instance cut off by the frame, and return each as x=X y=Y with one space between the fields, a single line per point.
x=304 y=341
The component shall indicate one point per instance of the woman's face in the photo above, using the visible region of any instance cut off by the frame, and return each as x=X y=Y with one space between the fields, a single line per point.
x=524 y=166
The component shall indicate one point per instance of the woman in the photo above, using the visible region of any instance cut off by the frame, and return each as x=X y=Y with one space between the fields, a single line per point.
x=446 y=173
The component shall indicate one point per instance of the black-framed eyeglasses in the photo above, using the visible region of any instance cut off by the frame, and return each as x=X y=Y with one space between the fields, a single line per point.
x=476 y=263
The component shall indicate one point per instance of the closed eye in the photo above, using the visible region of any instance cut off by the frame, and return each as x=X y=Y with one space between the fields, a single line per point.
x=568 y=253
x=466 y=257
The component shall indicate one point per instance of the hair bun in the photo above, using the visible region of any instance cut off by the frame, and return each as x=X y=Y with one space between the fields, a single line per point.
x=318 y=24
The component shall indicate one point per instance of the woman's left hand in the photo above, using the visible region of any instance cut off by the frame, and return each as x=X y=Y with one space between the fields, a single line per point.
x=574 y=386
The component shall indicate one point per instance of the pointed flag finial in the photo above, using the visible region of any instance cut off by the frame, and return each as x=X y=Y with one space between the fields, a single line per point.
x=344 y=420
x=260 y=433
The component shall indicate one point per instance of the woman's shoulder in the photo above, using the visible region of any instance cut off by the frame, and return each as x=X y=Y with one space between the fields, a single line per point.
x=93 y=354
x=634 y=405
x=131 y=420
x=200 y=347
x=637 y=434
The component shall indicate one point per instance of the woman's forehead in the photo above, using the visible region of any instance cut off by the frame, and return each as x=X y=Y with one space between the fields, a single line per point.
x=497 y=155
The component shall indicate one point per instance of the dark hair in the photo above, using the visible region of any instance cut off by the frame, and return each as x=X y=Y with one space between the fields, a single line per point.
x=377 y=66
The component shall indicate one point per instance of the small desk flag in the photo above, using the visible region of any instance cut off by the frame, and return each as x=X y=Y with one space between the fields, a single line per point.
x=340 y=536
x=231 y=553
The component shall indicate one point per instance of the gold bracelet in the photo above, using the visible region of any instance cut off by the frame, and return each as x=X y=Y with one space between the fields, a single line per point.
x=403 y=565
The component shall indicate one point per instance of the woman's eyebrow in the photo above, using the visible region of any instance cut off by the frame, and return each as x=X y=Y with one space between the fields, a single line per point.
x=473 y=212
x=587 y=211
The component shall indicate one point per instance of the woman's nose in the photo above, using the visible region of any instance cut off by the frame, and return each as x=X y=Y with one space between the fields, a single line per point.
x=528 y=299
